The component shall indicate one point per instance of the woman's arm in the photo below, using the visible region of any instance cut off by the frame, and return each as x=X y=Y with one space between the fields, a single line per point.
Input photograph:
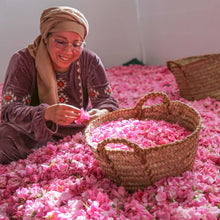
x=98 y=86
x=17 y=96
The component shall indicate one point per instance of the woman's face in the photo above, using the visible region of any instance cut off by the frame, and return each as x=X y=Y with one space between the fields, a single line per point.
x=64 y=48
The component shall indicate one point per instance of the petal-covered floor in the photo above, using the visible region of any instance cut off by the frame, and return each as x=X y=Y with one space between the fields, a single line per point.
x=64 y=181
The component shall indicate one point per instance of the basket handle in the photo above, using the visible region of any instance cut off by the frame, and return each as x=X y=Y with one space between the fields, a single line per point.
x=101 y=150
x=140 y=103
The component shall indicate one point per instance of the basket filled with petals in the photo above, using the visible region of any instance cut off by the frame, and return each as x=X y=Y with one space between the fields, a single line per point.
x=138 y=146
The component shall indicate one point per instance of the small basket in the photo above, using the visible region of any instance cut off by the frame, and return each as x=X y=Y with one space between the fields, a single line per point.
x=197 y=77
x=141 y=167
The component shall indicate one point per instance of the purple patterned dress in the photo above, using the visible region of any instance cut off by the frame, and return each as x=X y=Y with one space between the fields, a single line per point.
x=23 y=125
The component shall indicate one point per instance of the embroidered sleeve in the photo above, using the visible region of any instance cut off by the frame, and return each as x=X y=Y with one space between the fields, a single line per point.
x=16 y=98
x=96 y=93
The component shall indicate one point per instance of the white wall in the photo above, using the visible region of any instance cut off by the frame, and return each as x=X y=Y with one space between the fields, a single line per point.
x=174 y=29
x=113 y=27
x=160 y=31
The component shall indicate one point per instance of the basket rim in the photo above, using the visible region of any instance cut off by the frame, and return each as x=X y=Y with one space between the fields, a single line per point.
x=202 y=57
x=148 y=149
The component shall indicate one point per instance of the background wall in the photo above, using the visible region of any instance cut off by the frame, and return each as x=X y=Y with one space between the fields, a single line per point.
x=174 y=29
x=152 y=31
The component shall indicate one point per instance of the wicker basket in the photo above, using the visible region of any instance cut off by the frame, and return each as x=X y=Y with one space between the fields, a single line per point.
x=197 y=77
x=139 y=168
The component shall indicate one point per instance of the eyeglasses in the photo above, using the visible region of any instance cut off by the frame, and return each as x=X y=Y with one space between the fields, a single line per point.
x=63 y=45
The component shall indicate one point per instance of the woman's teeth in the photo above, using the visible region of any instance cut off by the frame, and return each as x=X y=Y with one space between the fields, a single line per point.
x=63 y=58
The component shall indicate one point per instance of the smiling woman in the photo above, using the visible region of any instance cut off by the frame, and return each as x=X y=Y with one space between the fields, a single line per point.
x=50 y=84
x=61 y=51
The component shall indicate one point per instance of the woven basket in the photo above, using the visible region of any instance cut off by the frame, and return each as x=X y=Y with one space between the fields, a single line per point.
x=197 y=77
x=141 y=167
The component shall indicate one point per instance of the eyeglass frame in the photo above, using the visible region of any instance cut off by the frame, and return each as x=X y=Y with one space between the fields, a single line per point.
x=66 y=44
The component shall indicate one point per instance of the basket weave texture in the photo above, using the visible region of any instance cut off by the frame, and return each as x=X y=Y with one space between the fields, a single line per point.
x=141 y=167
x=197 y=77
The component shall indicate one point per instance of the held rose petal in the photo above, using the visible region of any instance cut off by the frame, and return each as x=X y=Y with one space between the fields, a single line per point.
x=83 y=116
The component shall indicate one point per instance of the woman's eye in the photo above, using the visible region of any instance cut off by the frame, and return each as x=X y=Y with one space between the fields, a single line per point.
x=60 y=42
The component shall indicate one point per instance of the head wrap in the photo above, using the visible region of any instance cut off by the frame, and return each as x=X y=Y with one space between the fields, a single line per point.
x=55 y=19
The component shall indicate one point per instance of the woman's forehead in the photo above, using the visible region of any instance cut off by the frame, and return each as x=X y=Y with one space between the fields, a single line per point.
x=68 y=35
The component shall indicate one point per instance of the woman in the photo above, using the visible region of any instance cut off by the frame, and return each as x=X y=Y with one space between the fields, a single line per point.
x=49 y=83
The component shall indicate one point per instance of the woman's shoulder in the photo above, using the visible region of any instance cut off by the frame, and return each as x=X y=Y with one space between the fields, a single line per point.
x=90 y=57
x=22 y=56
x=89 y=53
x=22 y=62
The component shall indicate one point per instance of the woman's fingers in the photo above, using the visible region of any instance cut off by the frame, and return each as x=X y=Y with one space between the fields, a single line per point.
x=69 y=108
x=94 y=113
x=71 y=113
x=62 y=114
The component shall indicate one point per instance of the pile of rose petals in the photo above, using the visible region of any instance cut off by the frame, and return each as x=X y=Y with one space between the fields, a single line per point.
x=64 y=181
x=145 y=133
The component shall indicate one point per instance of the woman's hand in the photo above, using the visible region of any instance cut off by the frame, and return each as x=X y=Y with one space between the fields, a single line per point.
x=94 y=113
x=62 y=114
